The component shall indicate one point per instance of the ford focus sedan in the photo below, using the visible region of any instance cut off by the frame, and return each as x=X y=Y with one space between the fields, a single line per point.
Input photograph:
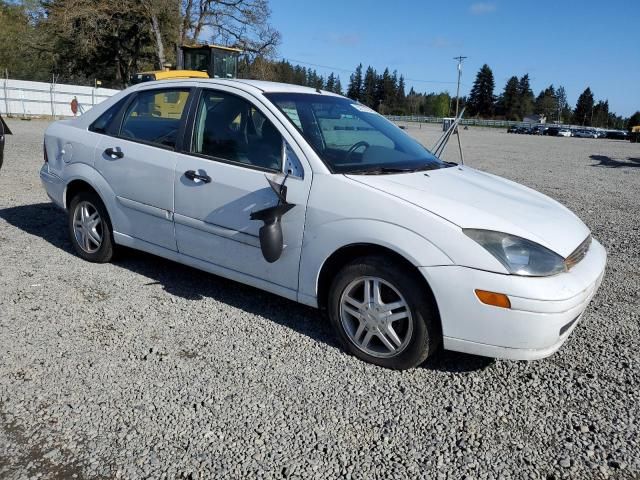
x=318 y=199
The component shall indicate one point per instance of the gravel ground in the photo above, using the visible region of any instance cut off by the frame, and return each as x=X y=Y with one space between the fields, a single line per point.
x=147 y=369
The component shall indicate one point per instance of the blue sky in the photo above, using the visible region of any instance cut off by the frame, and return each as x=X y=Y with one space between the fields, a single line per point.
x=571 y=43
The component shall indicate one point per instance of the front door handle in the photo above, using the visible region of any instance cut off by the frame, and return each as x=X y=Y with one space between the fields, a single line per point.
x=192 y=175
x=113 y=153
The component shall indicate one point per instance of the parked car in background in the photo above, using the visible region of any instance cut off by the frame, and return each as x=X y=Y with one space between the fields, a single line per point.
x=552 y=131
x=584 y=133
x=4 y=130
x=314 y=197
x=564 y=132
x=617 y=135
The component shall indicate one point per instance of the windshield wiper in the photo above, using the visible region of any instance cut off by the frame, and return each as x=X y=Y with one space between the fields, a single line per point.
x=378 y=171
x=387 y=170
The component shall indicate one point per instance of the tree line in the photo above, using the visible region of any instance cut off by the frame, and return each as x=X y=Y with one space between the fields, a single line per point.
x=81 y=41
x=517 y=101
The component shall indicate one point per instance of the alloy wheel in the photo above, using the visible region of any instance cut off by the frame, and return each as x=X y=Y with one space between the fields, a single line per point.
x=376 y=317
x=87 y=227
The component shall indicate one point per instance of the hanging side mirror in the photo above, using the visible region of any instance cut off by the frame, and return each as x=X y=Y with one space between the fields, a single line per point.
x=271 y=238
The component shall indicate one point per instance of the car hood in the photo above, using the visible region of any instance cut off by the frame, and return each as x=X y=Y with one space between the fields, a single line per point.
x=473 y=199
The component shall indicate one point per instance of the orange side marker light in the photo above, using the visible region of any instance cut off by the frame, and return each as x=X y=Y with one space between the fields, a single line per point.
x=494 y=299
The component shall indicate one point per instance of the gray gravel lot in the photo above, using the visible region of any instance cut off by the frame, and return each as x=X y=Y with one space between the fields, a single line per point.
x=147 y=369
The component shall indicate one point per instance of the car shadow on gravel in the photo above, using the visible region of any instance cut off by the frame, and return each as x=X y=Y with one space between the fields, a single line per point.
x=608 y=162
x=456 y=362
x=49 y=223
x=44 y=220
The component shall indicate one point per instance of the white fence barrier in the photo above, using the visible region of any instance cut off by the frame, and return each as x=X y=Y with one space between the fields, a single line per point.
x=22 y=98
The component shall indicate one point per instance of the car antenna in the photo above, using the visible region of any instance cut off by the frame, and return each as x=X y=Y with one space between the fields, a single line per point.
x=441 y=144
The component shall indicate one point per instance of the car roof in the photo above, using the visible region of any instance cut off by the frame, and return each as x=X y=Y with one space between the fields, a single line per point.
x=262 y=85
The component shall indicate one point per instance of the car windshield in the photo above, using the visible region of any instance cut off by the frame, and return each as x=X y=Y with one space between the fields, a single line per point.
x=352 y=138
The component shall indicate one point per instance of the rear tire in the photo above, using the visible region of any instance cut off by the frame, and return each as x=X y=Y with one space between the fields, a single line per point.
x=395 y=325
x=90 y=228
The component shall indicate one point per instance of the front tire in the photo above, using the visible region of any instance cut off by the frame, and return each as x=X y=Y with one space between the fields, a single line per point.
x=382 y=313
x=90 y=228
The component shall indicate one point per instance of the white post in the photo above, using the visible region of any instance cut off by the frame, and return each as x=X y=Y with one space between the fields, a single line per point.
x=53 y=107
x=6 y=92
x=24 y=111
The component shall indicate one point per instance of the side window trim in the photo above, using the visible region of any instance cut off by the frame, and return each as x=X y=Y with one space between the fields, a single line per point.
x=117 y=107
x=190 y=131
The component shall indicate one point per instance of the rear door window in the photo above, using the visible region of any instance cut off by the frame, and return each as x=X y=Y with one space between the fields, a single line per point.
x=154 y=117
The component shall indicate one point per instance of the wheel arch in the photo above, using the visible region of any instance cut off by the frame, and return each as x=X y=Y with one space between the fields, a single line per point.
x=82 y=177
x=347 y=253
x=76 y=186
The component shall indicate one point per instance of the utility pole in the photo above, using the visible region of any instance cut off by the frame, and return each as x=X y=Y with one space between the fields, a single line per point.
x=459 y=59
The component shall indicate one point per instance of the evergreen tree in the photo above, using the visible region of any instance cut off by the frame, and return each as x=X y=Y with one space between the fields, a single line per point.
x=547 y=104
x=400 y=94
x=509 y=100
x=386 y=91
x=601 y=114
x=354 y=90
x=584 y=108
x=331 y=82
x=337 y=88
x=563 y=105
x=369 y=88
x=525 y=97
x=481 y=98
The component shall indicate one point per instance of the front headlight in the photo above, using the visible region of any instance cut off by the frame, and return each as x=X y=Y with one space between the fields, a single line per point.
x=518 y=255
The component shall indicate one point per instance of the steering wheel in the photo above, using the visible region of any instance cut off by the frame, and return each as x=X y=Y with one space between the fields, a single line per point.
x=353 y=148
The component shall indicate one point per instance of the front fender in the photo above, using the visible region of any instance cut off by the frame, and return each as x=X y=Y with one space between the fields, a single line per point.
x=321 y=241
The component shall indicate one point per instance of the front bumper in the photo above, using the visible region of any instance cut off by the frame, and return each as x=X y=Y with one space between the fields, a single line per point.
x=544 y=310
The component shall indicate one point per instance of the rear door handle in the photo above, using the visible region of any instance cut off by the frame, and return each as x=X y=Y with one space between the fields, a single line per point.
x=193 y=176
x=113 y=153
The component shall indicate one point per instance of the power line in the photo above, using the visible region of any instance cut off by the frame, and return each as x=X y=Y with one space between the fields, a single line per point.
x=460 y=59
x=346 y=70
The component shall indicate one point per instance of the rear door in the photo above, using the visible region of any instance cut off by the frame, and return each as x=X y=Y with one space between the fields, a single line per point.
x=235 y=145
x=138 y=161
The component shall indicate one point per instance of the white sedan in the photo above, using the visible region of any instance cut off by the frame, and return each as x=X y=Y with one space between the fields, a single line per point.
x=316 y=198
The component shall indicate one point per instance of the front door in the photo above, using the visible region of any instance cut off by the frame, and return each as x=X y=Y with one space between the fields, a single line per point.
x=139 y=162
x=235 y=146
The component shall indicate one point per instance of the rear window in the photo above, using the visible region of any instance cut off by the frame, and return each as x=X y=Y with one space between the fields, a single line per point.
x=154 y=116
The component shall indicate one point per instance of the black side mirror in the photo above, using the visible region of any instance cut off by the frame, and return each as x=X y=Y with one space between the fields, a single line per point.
x=271 y=239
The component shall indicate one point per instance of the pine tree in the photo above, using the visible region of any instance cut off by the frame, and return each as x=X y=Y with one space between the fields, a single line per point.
x=509 y=100
x=584 y=108
x=331 y=82
x=601 y=114
x=525 y=97
x=337 y=88
x=563 y=105
x=369 y=88
x=400 y=94
x=547 y=104
x=354 y=90
x=481 y=98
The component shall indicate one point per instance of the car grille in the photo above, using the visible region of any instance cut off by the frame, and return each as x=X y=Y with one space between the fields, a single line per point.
x=578 y=254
